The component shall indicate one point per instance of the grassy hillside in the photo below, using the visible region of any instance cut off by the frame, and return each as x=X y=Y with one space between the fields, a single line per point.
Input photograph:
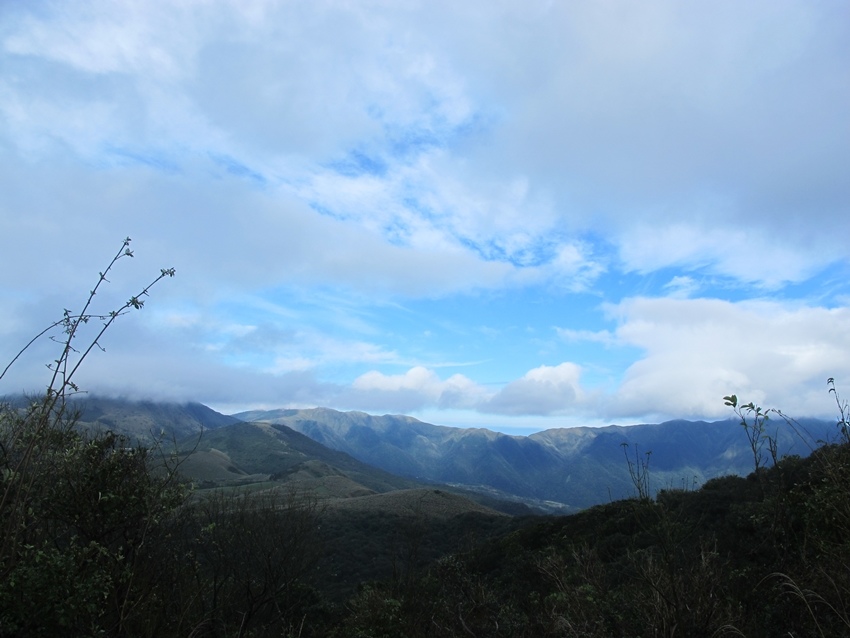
x=278 y=453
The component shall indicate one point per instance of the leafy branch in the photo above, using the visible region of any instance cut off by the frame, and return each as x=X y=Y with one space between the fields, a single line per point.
x=63 y=367
x=843 y=412
x=754 y=420
x=638 y=471
x=25 y=434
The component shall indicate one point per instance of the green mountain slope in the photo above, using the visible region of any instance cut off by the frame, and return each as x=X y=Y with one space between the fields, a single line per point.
x=272 y=452
x=147 y=421
x=563 y=469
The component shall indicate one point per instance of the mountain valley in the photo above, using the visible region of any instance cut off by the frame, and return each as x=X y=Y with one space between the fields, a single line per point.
x=344 y=454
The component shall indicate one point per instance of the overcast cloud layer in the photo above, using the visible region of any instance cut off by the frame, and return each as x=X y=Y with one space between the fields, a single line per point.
x=514 y=215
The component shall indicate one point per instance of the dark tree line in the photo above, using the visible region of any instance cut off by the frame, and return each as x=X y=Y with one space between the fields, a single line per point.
x=100 y=538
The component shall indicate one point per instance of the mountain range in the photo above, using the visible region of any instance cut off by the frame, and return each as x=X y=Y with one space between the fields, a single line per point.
x=345 y=454
x=564 y=469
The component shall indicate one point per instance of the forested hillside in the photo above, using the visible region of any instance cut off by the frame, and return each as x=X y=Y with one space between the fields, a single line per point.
x=765 y=555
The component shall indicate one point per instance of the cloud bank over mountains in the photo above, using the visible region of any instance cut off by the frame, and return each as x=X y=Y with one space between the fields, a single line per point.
x=526 y=214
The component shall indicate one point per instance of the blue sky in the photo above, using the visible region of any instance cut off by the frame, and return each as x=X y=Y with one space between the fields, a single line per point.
x=513 y=215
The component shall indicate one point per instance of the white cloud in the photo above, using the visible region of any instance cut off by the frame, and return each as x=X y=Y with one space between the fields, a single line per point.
x=217 y=234
x=385 y=151
x=417 y=388
x=544 y=390
x=697 y=351
x=119 y=37
x=488 y=142
x=746 y=255
x=681 y=286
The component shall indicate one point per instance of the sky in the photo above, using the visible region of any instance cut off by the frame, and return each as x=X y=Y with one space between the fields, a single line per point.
x=508 y=214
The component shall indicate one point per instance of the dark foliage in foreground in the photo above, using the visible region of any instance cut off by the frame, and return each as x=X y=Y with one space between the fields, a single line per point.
x=765 y=555
x=98 y=538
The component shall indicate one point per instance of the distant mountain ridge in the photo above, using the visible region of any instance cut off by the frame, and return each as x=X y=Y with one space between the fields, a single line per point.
x=215 y=450
x=144 y=421
x=558 y=469
x=570 y=468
